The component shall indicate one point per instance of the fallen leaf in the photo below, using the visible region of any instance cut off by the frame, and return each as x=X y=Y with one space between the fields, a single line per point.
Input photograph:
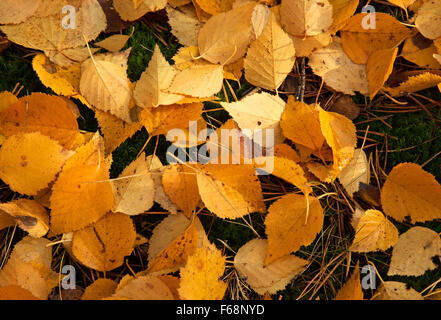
x=351 y=290
x=428 y=19
x=249 y=262
x=200 y=277
x=411 y=193
x=393 y=290
x=99 y=289
x=146 y=287
x=292 y=221
x=416 y=252
x=355 y=172
x=374 y=232
x=130 y=12
x=416 y=83
x=379 y=67
x=114 y=43
x=13 y=12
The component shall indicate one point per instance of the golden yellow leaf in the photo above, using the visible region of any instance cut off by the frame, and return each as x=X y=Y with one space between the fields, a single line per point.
x=199 y=80
x=270 y=57
x=230 y=191
x=165 y=118
x=105 y=85
x=374 y=232
x=351 y=290
x=340 y=134
x=200 y=278
x=103 y=245
x=173 y=241
x=25 y=170
x=13 y=12
x=214 y=7
x=337 y=69
x=292 y=221
x=185 y=24
x=114 y=43
x=146 y=287
x=416 y=252
x=130 y=12
x=249 y=262
x=180 y=184
x=393 y=290
x=172 y=283
x=428 y=19
x=14 y=292
x=416 y=83
x=420 y=51
x=379 y=67
x=305 y=46
x=115 y=130
x=225 y=37
x=342 y=12
x=6 y=220
x=355 y=172
x=99 y=289
x=254 y=120
x=402 y=3
x=49 y=115
x=48 y=34
x=302 y=18
x=134 y=188
x=301 y=124
x=6 y=100
x=412 y=194
x=157 y=170
x=68 y=57
x=359 y=42
x=29 y=214
x=150 y=89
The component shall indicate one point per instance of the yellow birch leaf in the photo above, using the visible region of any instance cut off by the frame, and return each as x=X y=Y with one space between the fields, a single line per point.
x=428 y=19
x=292 y=221
x=416 y=83
x=48 y=33
x=114 y=43
x=115 y=130
x=249 y=262
x=337 y=69
x=270 y=57
x=150 y=89
x=180 y=184
x=351 y=290
x=13 y=12
x=374 y=232
x=198 y=81
x=379 y=67
x=100 y=288
x=225 y=37
x=393 y=290
x=305 y=46
x=410 y=193
x=230 y=191
x=214 y=7
x=200 y=278
x=253 y=121
x=29 y=214
x=6 y=220
x=340 y=134
x=146 y=287
x=301 y=124
x=343 y=10
x=359 y=42
x=25 y=170
x=416 y=252
x=420 y=51
x=14 y=292
x=355 y=172
x=68 y=57
x=103 y=245
x=49 y=115
x=172 y=242
x=130 y=12
x=302 y=18
x=105 y=85
x=185 y=24
x=402 y=3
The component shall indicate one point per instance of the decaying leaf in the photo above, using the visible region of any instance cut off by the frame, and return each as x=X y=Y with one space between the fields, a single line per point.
x=249 y=263
x=355 y=172
x=410 y=193
x=428 y=19
x=393 y=290
x=415 y=252
x=100 y=288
